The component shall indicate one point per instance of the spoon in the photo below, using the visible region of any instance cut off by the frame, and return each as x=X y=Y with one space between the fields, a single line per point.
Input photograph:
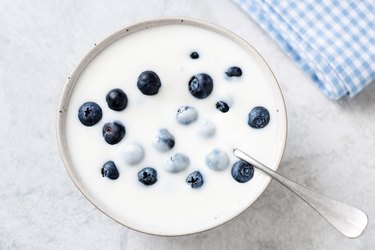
x=348 y=220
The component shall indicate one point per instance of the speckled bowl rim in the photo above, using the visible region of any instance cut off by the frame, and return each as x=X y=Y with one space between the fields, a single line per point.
x=80 y=67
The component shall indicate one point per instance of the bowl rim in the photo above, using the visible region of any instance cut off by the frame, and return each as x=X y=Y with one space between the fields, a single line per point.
x=98 y=47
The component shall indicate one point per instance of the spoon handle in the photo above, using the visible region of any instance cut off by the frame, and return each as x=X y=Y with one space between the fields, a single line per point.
x=349 y=220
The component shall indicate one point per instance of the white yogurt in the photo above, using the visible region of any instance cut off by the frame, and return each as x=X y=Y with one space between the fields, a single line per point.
x=171 y=206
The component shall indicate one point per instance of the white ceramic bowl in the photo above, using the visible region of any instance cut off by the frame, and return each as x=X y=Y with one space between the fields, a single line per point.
x=172 y=226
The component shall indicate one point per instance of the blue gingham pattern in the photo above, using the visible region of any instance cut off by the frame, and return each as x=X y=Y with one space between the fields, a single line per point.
x=331 y=40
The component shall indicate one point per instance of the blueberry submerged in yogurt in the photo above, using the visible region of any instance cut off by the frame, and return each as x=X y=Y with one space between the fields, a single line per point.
x=113 y=132
x=90 y=113
x=234 y=72
x=242 y=171
x=222 y=106
x=195 y=179
x=109 y=170
x=149 y=83
x=176 y=163
x=201 y=85
x=206 y=129
x=258 y=117
x=148 y=176
x=217 y=159
x=133 y=153
x=164 y=140
x=186 y=115
x=117 y=99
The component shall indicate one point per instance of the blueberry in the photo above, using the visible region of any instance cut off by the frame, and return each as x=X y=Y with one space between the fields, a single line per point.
x=258 y=117
x=206 y=129
x=186 y=115
x=234 y=71
x=164 y=140
x=113 y=132
x=194 y=55
x=217 y=159
x=149 y=83
x=222 y=106
x=147 y=176
x=242 y=171
x=195 y=179
x=177 y=163
x=117 y=99
x=201 y=85
x=109 y=170
x=90 y=113
x=133 y=153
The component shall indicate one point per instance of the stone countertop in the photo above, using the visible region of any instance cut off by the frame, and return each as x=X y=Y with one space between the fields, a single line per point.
x=330 y=148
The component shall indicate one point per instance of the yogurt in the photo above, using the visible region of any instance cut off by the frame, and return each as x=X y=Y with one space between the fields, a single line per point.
x=171 y=206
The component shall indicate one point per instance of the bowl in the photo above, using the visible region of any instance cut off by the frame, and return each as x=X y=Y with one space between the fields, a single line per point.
x=164 y=45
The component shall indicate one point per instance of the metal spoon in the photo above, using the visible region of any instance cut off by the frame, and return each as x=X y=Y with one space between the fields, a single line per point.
x=348 y=220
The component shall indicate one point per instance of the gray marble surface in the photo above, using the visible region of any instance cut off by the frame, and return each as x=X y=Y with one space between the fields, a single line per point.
x=330 y=148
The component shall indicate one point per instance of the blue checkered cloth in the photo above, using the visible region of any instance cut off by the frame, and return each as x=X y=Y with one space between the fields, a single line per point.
x=333 y=41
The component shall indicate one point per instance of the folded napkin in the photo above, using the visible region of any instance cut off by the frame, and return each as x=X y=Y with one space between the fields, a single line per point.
x=331 y=40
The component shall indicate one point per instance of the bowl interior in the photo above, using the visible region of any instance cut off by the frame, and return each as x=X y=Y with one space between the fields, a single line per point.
x=170 y=208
